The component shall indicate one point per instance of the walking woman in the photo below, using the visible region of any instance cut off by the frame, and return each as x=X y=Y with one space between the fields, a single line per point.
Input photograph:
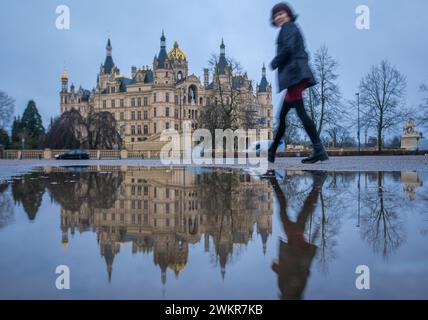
x=295 y=75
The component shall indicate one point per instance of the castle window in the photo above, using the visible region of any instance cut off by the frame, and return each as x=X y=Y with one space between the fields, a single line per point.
x=176 y=100
x=133 y=115
x=176 y=113
x=145 y=115
x=122 y=103
x=113 y=90
x=154 y=112
x=166 y=125
x=113 y=103
x=146 y=130
x=200 y=101
x=122 y=116
x=145 y=101
x=133 y=130
x=139 y=102
x=133 y=102
x=167 y=97
x=154 y=97
x=166 y=111
x=139 y=130
x=104 y=104
x=139 y=115
x=154 y=127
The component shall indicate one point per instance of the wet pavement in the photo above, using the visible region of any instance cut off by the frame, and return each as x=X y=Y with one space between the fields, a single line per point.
x=154 y=232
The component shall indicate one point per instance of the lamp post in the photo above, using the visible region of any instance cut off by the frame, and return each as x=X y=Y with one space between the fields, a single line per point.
x=358 y=130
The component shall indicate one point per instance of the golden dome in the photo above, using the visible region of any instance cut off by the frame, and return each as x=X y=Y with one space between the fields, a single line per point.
x=64 y=75
x=65 y=245
x=176 y=53
x=177 y=266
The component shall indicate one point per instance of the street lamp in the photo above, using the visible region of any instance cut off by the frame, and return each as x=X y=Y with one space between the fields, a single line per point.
x=358 y=130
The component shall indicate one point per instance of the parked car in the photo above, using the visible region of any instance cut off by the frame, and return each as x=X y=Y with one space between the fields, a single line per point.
x=73 y=154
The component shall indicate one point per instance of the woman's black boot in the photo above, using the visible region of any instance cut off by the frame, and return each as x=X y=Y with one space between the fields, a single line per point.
x=318 y=154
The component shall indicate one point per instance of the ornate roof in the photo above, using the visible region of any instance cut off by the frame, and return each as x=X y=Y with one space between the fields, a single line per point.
x=64 y=75
x=176 y=53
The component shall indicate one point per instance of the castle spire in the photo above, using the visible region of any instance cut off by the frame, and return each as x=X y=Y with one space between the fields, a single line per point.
x=109 y=48
x=263 y=82
x=64 y=80
x=222 y=62
x=163 y=39
x=162 y=56
x=108 y=63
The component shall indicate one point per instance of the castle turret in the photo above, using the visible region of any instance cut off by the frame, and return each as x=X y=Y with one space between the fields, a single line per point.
x=162 y=57
x=64 y=81
x=222 y=62
x=108 y=63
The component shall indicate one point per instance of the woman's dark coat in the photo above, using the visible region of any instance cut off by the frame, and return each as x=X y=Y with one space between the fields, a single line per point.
x=291 y=59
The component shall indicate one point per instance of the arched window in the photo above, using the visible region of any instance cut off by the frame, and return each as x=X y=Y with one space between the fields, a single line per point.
x=192 y=94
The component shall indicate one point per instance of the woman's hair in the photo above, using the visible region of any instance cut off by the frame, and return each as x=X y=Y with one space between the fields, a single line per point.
x=282 y=6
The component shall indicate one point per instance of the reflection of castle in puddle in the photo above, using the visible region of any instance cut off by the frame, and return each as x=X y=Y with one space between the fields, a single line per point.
x=163 y=211
x=411 y=181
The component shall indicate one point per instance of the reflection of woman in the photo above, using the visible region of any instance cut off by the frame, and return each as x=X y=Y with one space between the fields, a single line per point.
x=296 y=255
x=294 y=75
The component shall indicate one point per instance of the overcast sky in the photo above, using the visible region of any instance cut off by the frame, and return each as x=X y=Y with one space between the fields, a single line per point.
x=33 y=51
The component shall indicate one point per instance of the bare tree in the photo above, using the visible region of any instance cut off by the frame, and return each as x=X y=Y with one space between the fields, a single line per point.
x=233 y=105
x=424 y=106
x=382 y=94
x=7 y=106
x=324 y=99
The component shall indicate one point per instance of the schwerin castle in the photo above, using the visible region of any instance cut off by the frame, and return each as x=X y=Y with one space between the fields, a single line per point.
x=165 y=96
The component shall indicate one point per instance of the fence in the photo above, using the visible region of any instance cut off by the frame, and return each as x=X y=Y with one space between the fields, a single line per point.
x=93 y=154
x=155 y=154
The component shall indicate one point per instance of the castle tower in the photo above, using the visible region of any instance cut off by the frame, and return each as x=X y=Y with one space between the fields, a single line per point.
x=64 y=89
x=222 y=62
x=178 y=62
x=64 y=81
x=161 y=60
x=108 y=68
x=264 y=98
